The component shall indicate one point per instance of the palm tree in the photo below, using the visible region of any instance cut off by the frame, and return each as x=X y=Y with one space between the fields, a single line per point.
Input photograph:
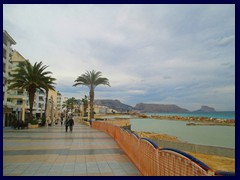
x=91 y=79
x=30 y=77
x=69 y=104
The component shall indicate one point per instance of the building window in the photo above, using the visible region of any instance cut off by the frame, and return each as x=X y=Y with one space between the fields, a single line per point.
x=19 y=92
x=4 y=54
x=19 y=102
x=4 y=67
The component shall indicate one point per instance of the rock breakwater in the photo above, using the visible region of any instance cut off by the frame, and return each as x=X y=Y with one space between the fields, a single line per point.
x=199 y=120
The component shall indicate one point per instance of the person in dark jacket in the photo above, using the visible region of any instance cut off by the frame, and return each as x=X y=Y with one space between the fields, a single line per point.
x=66 y=123
x=62 y=116
x=71 y=123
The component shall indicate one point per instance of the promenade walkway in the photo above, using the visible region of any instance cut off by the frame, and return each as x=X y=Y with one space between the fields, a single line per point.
x=50 y=151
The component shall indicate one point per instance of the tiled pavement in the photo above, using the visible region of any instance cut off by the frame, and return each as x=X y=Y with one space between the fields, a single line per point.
x=50 y=151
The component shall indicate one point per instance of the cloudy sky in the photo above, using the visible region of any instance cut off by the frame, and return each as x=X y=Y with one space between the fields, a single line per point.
x=167 y=54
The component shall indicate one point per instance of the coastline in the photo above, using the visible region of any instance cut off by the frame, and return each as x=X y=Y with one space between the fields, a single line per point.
x=214 y=161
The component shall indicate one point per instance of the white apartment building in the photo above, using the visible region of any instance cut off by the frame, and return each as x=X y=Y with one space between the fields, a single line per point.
x=63 y=100
x=17 y=97
x=8 y=41
x=39 y=103
x=15 y=102
x=60 y=100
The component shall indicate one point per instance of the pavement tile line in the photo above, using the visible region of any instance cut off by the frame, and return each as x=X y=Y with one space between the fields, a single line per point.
x=63 y=152
x=50 y=151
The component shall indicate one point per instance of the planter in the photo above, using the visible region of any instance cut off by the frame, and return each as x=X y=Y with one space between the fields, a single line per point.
x=30 y=126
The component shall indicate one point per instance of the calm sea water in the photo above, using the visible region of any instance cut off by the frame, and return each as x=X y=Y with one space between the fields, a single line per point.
x=220 y=136
x=219 y=114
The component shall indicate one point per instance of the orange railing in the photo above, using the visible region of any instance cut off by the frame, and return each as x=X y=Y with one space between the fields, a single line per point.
x=150 y=159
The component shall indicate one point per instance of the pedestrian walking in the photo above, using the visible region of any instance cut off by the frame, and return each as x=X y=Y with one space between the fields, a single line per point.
x=62 y=116
x=71 y=124
x=66 y=124
x=70 y=115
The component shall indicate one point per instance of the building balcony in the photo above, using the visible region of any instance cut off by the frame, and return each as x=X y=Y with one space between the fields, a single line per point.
x=4 y=46
x=4 y=88
x=5 y=75
x=16 y=96
x=42 y=93
x=8 y=104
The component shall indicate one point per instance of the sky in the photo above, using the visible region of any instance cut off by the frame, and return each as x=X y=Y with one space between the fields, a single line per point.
x=161 y=53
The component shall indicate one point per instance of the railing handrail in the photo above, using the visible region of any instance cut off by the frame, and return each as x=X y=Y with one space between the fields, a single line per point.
x=136 y=135
x=151 y=142
x=177 y=162
x=195 y=160
x=224 y=173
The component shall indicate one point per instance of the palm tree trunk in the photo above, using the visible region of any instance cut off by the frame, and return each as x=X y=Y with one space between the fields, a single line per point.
x=85 y=106
x=91 y=103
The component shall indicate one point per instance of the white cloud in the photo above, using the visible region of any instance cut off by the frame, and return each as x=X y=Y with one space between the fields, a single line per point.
x=161 y=53
x=222 y=41
x=136 y=92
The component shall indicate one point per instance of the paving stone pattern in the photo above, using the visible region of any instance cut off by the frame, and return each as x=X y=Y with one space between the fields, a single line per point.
x=50 y=151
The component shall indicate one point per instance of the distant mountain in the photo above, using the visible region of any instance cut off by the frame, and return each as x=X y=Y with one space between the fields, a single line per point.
x=114 y=104
x=206 y=109
x=151 y=108
x=158 y=108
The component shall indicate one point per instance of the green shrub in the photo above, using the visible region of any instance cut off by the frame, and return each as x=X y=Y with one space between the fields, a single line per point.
x=34 y=122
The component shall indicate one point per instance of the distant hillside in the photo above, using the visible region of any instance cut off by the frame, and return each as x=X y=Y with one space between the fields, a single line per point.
x=151 y=108
x=158 y=108
x=206 y=109
x=114 y=104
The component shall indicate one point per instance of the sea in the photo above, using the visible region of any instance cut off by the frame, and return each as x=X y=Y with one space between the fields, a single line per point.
x=218 y=136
